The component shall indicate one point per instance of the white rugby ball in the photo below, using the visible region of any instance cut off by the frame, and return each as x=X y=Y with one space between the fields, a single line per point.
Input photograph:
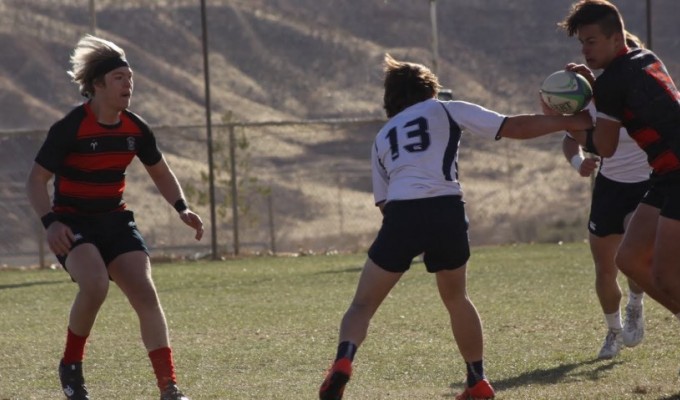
x=566 y=92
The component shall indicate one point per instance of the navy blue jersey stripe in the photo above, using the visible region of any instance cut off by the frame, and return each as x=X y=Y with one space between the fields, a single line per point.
x=451 y=147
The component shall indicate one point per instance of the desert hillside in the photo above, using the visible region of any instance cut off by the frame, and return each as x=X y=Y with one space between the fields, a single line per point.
x=293 y=58
x=283 y=60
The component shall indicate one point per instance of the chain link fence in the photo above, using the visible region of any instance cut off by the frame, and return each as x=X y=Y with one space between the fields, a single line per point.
x=305 y=187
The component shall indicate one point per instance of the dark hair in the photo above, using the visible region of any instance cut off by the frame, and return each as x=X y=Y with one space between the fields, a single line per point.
x=588 y=12
x=633 y=41
x=407 y=84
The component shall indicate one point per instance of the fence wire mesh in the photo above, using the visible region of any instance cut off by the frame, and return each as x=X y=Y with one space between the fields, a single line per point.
x=301 y=187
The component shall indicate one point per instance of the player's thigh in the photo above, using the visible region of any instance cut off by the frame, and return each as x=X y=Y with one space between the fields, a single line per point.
x=666 y=260
x=85 y=265
x=374 y=285
x=638 y=241
x=132 y=273
x=452 y=283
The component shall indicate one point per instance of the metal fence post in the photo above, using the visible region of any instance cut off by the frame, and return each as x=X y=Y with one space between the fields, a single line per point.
x=234 y=187
x=272 y=228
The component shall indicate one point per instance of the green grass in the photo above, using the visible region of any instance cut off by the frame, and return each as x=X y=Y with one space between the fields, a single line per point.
x=266 y=328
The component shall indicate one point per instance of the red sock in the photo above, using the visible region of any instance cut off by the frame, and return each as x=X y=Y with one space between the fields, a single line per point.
x=163 y=367
x=75 y=348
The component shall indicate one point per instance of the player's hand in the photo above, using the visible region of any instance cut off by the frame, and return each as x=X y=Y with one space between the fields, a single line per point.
x=546 y=108
x=582 y=70
x=60 y=238
x=588 y=166
x=193 y=220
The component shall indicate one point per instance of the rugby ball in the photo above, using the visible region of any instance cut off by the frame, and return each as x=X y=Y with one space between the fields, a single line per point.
x=566 y=92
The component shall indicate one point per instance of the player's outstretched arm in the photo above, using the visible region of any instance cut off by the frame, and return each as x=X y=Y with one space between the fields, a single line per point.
x=531 y=126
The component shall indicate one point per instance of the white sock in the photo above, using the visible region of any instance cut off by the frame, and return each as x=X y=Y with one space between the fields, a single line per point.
x=614 y=320
x=635 y=299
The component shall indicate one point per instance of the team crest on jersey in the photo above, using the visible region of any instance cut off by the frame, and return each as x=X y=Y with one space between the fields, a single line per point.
x=131 y=143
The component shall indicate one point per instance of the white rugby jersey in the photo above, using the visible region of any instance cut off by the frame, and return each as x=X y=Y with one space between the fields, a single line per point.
x=415 y=154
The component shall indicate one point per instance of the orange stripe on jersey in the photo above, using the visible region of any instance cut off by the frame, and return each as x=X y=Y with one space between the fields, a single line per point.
x=646 y=136
x=665 y=162
x=99 y=161
x=91 y=190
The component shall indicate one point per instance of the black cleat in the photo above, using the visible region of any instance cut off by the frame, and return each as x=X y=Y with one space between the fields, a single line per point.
x=171 y=392
x=72 y=381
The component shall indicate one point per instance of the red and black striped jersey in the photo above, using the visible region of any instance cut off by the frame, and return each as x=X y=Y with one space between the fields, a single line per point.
x=89 y=159
x=636 y=90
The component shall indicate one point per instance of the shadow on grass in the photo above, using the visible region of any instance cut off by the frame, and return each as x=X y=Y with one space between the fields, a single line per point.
x=560 y=373
x=29 y=284
x=672 y=397
x=342 y=271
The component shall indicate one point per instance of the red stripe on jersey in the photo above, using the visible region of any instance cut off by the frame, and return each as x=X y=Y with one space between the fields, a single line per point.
x=646 y=136
x=91 y=190
x=99 y=161
x=665 y=162
x=658 y=72
x=89 y=127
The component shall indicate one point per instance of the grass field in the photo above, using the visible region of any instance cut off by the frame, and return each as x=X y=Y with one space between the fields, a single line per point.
x=266 y=328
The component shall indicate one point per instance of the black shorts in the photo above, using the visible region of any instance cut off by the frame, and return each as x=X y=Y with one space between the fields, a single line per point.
x=436 y=227
x=665 y=195
x=612 y=201
x=112 y=234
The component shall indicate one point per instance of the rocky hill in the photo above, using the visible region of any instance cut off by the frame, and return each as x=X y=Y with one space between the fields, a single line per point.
x=274 y=60
x=283 y=59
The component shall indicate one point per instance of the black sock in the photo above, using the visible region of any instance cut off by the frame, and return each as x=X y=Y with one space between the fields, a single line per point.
x=346 y=350
x=475 y=372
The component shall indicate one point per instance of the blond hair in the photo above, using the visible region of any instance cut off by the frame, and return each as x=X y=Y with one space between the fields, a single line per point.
x=88 y=57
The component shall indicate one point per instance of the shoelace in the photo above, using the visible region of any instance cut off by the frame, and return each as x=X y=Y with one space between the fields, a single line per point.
x=632 y=317
x=610 y=338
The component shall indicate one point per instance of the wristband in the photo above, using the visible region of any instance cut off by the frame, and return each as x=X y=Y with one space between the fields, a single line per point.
x=576 y=162
x=48 y=219
x=181 y=205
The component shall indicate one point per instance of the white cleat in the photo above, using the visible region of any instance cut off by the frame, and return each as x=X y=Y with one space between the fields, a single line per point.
x=634 y=326
x=612 y=345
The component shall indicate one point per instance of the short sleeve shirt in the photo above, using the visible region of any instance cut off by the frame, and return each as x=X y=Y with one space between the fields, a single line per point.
x=89 y=159
x=637 y=91
x=415 y=154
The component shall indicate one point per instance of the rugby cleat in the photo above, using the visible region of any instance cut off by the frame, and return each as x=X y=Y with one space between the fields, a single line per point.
x=482 y=390
x=171 y=392
x=333 y=386
x=633 y=326
x=612 y=345
x=72 y=381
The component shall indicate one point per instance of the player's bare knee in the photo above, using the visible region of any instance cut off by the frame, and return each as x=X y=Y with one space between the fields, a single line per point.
x=95 y=290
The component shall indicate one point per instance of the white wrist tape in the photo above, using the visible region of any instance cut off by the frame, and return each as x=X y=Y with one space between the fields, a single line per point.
x=576 y=162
